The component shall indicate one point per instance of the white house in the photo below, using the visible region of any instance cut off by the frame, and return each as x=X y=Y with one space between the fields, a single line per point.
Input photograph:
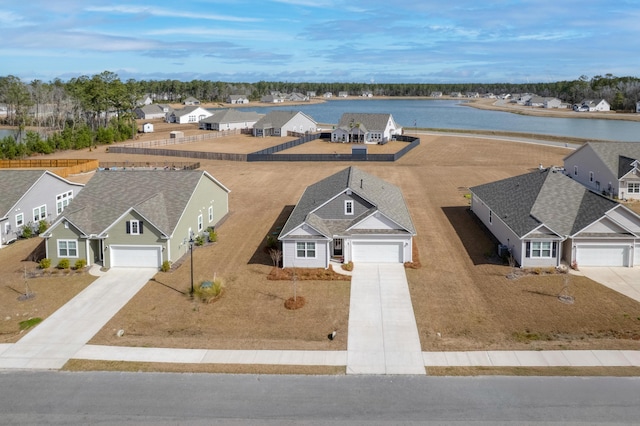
x=279 y=123
x=190 y=114
x=365 y=128
x=238 y=99
x=595 y=105
x=230 y=119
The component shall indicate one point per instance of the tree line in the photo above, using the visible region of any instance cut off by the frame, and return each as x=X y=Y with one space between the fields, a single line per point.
x=91 y=110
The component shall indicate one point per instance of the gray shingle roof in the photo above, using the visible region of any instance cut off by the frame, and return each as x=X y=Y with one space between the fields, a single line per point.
x=611 y=152
x=159 y=195
x=372 y=122
x=543 y=197
x=277 y=119
x=13 y=185
x=232 y=116
x=385 y=197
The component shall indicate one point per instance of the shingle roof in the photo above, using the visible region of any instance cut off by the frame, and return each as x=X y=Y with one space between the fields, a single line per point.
x=277 y=119
x=14 y=184
x=613 y=155
x=543 y=197
x=232 y=116
x=367 y=121
x=159 y=195
x=385 y=197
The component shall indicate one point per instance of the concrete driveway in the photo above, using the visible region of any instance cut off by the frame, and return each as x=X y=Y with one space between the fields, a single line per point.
x=56 y=339
x=623 y=280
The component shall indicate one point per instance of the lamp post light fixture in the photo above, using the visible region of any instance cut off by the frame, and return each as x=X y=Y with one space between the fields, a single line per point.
x=191 y=249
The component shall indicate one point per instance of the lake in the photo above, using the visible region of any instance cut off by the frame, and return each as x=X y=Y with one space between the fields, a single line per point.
x=452 y=114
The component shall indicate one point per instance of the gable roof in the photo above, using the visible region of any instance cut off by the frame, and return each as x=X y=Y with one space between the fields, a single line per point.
x=615 y=155
x=14 y=184
x=367 y=121
x=232 y=115
x=384 y=196
x=544 y=197
x=160 y=196
x=278 y=118
x=188 y=110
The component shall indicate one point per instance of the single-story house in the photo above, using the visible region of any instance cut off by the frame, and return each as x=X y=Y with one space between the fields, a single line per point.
x=544 y=102
x=311 y=94
x=153 y=111
x=191 y=101
x=230 y=119
x=436 y=94
x=279 y=123
x=29 y=196
x=455 y=94
x=608 y=167
x=237 y=99
x=349 y=216
x=297 y=97
x=595 y=105
x=365 y=128
x=272 y=99
x=327 y=95
x=145 y=100
x=544 y=217
x=190 y=114
x=343 y=94
x=137 y=218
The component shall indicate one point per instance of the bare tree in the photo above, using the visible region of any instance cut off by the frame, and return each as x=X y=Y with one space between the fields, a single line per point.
x=276 y=255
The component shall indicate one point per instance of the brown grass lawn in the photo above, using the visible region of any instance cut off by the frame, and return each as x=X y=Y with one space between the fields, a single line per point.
x=458 y=292
x=51 y=292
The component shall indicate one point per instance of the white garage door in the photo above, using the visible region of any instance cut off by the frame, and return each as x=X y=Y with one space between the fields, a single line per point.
x=602 y=255
x=378 y=252
x=136 y=256
x=637 y=255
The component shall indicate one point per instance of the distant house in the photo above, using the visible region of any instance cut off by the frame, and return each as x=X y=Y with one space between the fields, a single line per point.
x=190 y=114
x=191 y=101
x=327 y=95
x=30 y=196
x=544 y=217
x=473 y=95
x=365 y=128
x=311 y=94
x=145 y=100
x=348 y=216
x=455 y=94
x=279 y=123
x=150 y=222
x=272 y=99
x=595 y=105
x=230 y=119
x=237 y=99
x=153 y=111
x=436 y=94
x=543 y=102
x=297 y=97
x=521 y=98
x=367 y=94
x=609 y=167
x=343 y=94
x=638 y=106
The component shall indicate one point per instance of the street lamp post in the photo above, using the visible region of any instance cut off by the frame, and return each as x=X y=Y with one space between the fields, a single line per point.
x=191 y=249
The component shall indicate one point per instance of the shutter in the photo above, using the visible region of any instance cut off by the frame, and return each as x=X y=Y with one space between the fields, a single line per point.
x=140 y=227
x=128 y=226
x=554 y=249
x=528 y=250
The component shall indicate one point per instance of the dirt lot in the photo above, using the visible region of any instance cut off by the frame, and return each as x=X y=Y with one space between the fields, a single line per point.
x=462 y=300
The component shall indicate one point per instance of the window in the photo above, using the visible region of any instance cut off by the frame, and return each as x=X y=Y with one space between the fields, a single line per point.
x=633 y=187
x=39 y=213
x=348 y=207
x=19 y=220
x=541 y=249
x=199 y=222
x=210 y=213
x=67 y=248
x=575 y=170
x=590 y=176
x=490 y=216
x=7 y=228
x=62 y=201
x=134 y=227
x=306 y=249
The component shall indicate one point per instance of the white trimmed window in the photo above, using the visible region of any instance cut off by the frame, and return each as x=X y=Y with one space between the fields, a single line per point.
x=134 y=227
x=541 y=249
x=306 y=249
x=633 y=187
x=67 y=248
x=210 y=213
x=40 y=213
x=19 y=220
x=62 y=201
x=199 y=222
x=348 y=207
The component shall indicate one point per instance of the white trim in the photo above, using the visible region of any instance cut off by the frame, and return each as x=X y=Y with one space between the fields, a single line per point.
x=349 y=207
x=60 y=256
x=210 y=212
x=41 y=215
x=200 y=222
x=22 y=220
x=306 y=250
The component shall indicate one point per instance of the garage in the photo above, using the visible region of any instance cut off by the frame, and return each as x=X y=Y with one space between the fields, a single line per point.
x=135 y=256
x=602 y=255
x=377 y=251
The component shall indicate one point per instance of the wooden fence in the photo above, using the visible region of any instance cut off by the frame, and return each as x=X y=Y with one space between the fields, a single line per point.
x=64 y=166
x=179 y=141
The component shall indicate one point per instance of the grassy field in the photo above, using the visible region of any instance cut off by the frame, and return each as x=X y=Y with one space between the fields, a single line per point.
x=461 y=296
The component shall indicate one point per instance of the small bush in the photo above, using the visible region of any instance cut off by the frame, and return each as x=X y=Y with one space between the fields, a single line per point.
x=27 y=232
x=80 y=263
x=272 y=242
x=31 y=322
x=44 y=263
x=208 y=291
x=348 y=266
x=199 y=240
x=63 y=264
x=213 y=236
x=166 y=266
x=42 y=226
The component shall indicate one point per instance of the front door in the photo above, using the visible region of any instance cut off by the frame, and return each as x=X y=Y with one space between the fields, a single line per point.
x=337 y=247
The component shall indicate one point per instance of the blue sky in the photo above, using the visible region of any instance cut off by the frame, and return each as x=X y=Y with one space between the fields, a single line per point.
x=398 y=41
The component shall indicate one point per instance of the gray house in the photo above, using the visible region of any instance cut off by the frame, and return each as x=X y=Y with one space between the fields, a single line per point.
x=29 y=196
x=137 y=218
x=230 y=119
x=365 y=128
x=279 y=123
x=544 y=217
x=349 y=216
x=153 y=111
x=609 y=167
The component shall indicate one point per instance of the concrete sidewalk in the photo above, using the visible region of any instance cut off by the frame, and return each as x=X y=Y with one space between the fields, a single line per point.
x=54 y=341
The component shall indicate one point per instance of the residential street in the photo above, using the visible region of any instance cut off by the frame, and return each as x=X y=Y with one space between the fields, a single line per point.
x=110 y=398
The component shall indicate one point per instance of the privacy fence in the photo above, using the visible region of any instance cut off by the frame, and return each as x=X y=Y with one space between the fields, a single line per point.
x=64 y=167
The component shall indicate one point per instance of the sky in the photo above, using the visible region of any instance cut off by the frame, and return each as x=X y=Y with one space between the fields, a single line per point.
x=355 y=41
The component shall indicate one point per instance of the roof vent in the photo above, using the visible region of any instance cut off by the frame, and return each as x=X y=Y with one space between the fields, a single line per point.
x=360 y=183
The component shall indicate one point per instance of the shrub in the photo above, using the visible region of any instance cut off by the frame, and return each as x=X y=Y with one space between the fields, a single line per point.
x=272 y=242
x=213 y=236
x=199 y=240
x=209 y=291
x=27 y=231
x=348 y=266
x=63 y=264
x=44 y=263
x=166 y=266
x=42 y=226
x=80 y=263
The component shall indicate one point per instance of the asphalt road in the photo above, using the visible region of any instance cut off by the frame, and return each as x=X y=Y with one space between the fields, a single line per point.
x=164 y=398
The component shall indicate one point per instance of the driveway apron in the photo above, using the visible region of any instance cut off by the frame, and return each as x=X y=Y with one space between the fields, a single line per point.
x=621 y=279
x=383 y=335
x=56 y=339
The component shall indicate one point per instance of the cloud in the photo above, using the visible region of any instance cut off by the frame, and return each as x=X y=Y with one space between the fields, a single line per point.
x=172 y=13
